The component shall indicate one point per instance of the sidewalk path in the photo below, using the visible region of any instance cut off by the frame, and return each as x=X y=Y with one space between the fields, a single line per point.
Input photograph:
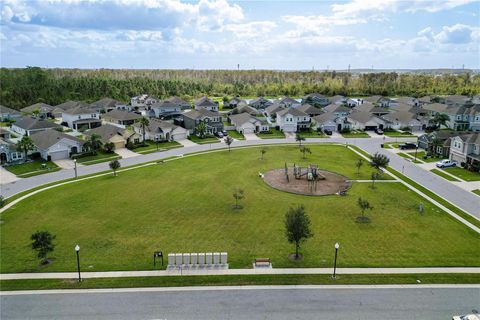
x=213 y=271
x=6 y=176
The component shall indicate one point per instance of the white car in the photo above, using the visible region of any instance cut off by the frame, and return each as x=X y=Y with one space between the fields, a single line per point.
x=445 y=163
x=467 y=317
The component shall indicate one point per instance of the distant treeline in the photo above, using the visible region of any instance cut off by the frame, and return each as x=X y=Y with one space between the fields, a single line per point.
x=23 y=87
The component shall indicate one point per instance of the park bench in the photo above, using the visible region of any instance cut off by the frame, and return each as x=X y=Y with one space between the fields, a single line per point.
x=262 y=262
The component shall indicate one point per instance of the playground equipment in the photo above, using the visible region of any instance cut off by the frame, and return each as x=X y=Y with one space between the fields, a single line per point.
x=311 y=173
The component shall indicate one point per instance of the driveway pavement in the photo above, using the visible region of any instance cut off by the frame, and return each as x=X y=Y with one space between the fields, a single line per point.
x=187 y=143
x=6 y=176
x=251 y=136
x=66 y=163
x=125 y=153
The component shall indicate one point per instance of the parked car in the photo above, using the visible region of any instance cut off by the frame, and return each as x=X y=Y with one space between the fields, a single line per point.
x=467 y=317
x=445 y=163
x=225 y=133
x=328 y=132
x=379 y=131
x=219 y=134
x=408 y=145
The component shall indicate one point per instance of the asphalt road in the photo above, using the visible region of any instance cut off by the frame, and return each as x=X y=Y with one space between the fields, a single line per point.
x=465 y=200
x=245 y=303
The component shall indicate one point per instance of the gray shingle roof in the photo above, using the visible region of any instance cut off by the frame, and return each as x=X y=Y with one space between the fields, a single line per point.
x=43 y=107
x=106 y=131
x=7 y=110
x=293 y=111
x=29 y=123
x=80 y=110
x=205 y=102
x=121 y=115
x=105 y=103
x=200 y=113
x=45 y=139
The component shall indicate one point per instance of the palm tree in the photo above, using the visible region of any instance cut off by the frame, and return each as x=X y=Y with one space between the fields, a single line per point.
x=93 y=143
x=441 y=119
x=26 y=144
x=114 y=165
x=201 y=129
x=144 y=122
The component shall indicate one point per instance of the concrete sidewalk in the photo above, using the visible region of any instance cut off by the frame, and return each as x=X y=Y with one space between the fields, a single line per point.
x=214 y=271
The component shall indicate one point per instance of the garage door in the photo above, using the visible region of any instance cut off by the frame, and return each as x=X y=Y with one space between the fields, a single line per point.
x=248 y=130
x=179 y=136
x=119 y=144
x=59 y=155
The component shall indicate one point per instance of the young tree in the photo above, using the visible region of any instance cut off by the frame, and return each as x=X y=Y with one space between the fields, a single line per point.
x=305 y=150
x=238 y=195
x=379 y=160
x=114 y=165
x=109 y=147
x=375 y=176
x=42 y=242
x=228 y=142
x=93 y=143
x=434 y=145
x=144 y=122
x=364 y=205
x=441 y=119
x=263 y=150
x=299 y=138
x=200 y=129
x=26 y=144
x=359 y=164
x=297 y=227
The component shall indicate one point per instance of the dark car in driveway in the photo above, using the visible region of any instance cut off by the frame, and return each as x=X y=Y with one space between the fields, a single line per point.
x=328 y=132
x=407 y=146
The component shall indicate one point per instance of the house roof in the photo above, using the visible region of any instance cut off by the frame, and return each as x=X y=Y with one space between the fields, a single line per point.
x=205 y=102
x=80 y=110
x=242 y=118
x=324 y=117
x=401 y=116
x=471 y=138
x=29 y=123
x=106 y=132
x=122 y=115
x=342 y=109
x=436 y=107
x=43 y=107
x=314 y=95
x=364 y=117
x=45 y=139
x=200 y=113
x=245 y=108
x=293 y=111
x=260 y=100
x=71 y=104
x=309 y=109
x=105 y=103
x=274 y=108
x=457 y=99
x=376 y=99
x=177 y=100
x=156 y=125
x=337 y=98
x=7 y=110
x=235 y=100
x=288 y=100
x=379 y=110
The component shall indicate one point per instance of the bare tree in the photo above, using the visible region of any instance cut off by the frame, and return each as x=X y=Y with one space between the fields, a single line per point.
x=238 y=195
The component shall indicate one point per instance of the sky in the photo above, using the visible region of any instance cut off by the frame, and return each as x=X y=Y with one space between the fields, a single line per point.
x=221 y=34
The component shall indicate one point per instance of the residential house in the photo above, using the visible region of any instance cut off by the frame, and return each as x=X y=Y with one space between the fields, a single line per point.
x=289 y=102
x=458 y=100
x=331 y=121
x=166 y=109
x=68 y=105
x=44 y=110
x=271 y=111
x=411 y=101
x=260 y=103
x=316 y=100
x=437 y=142
x=338 y=99
x=465 y=148
x=365 y=121
x=184 y=105
x=81 y=118
x=246 y=123
x=379 y=101
x=405 y=119
x=160 y=130
x=113 y=134
x=143 y=102
x=29 y=125
x=8 y=114
x=105 y=105
x=212 y=120
x=310 y=110
x=244 y=108
x=292 y=120
x=8 y=149
x=235 y=103
x=379 y=111
x=55 y=145
x=206 y=103
x=121 y=118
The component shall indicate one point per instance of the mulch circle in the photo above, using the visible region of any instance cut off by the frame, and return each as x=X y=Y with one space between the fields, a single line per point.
x=332 y=184
x=291 y=257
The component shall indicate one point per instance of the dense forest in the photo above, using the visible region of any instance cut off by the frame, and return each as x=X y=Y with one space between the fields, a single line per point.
x=23 y=87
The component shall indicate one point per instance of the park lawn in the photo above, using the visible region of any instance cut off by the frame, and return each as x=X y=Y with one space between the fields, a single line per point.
x=355 y=134
x=476 y=191
x=119 y=227
x=312 y=134
x=421 y=155
x=151 y=146
x=442 y=174
x=272 y=134
x=32 y=168
x=464 y=173
x=398 y=134
x=101 y=156
x=236 y=135
x=207 y=139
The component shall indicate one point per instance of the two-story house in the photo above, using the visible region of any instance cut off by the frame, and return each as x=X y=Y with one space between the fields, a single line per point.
x=26 y=126
x=81 y=118
x=260 y=103
x=121 y=118
x=317 y=100
x=166 y=108
x=289 y=102
x=212 y=120
x=292 y=120
x=143 y=103
x=465 y=148
x=206 y=103
x=160 y=130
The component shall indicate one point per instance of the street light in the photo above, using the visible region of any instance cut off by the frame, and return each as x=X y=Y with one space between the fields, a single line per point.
x=335 y=263
x=156 y=140
x=75 y=162
x=77 y=250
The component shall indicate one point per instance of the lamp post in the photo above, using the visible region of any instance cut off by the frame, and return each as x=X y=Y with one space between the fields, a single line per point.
x=416 y=149
x=75 y=162
x=156 y=140
x=77 y=250
x=335 y=263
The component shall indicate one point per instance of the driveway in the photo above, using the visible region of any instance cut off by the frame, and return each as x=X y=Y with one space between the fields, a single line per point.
x=187 y=143
x=290 y=135
x=251 y=136
x=125 y=153
x=6 y=176
x=66 y=163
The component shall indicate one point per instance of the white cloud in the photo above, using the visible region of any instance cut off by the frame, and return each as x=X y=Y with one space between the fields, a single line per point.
x=251 y=29
x=456 y=34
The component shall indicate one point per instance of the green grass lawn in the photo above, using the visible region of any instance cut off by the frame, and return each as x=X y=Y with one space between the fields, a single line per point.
x=207 y=139
x=32 y=168
x=442 y=174
x=272 y=134
x=476 y=191
x=398 y=134
x=464 y=173
x=151 y=146
x=119 y=226
x=404 y=155
x=236 y=135
x=392 y=145
x=421 y=155
x=101 y=156
x=355 y=134
x=312 y=134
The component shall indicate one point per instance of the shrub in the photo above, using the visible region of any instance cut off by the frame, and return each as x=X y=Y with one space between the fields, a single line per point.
x=406 y=129
x=130 y=145
x=345 y=130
